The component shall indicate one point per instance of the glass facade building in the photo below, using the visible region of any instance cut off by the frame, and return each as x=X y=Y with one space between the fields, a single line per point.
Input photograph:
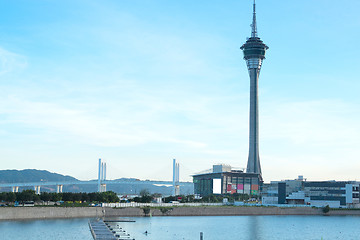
x=231 y=182
x=315 y=193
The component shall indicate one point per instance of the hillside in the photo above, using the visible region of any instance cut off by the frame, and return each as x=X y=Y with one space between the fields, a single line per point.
x=31 y=175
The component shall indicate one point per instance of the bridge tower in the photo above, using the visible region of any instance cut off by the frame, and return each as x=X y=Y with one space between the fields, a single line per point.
x=59 y=188
x=102 y=176
x=176 y=178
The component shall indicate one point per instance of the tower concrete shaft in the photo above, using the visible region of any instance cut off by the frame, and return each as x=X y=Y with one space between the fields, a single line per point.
x=254 y=53
x=253 y=165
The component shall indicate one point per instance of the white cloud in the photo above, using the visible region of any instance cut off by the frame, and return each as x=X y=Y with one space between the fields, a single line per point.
x=10 y=61
x=124 y=127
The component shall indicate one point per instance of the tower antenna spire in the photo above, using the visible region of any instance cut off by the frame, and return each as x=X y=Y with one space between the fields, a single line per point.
x=253 y=25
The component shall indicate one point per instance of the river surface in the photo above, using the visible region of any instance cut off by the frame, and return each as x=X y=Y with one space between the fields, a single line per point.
x=189 y=228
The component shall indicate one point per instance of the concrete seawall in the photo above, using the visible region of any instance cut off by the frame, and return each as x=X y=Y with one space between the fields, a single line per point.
x=24 y=213
x=212 y=211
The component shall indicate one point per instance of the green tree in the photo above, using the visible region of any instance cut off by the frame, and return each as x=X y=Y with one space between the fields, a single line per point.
x=146 y=211
x=26 y=195
x=36 y=198
x=85 y=197
x=76 y=197
x=326 y=209
x=10 y=197
x=67 y=196
x=108 y=196
x=45 y=196
x=169 y=199
x=2 y=196
x=55 y=197
x=144 y=193
x=113 y=197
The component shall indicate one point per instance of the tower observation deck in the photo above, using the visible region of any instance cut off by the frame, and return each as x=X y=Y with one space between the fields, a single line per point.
x=254 y=53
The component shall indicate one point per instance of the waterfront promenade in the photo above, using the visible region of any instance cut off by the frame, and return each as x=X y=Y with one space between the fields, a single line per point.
x=24 y=213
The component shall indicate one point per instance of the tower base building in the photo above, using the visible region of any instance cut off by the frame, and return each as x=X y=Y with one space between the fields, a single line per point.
x=223 y=180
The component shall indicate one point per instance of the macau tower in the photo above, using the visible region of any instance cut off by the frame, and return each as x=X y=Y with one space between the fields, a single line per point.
x=254 y=53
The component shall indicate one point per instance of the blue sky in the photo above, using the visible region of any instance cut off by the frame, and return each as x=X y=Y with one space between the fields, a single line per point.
x=138 y=83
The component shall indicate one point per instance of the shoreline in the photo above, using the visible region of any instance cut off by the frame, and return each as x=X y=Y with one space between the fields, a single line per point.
x=36 y=213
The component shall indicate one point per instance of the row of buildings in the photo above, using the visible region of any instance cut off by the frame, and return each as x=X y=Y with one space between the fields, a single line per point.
x=315 y=193
x=222 y=179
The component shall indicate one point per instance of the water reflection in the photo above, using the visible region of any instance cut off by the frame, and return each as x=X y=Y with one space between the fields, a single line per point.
x=254 y=228
x=189 y=228
x=245 y=228
x=60 y=229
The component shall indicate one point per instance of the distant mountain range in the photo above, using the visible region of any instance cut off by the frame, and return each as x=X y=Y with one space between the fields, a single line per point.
x=32 y=175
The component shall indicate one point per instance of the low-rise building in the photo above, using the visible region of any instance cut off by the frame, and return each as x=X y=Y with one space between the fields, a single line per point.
x=222 y=179
x=314 y=193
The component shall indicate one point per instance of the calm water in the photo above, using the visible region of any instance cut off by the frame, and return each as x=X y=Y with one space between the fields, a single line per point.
x=189 y=228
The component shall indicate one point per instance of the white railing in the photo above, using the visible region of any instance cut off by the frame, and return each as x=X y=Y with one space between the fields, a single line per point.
x=119 y=205
x=134 y=204
x=269 y=205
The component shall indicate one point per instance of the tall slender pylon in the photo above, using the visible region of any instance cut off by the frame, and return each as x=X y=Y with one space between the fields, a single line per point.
x=254 y=53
